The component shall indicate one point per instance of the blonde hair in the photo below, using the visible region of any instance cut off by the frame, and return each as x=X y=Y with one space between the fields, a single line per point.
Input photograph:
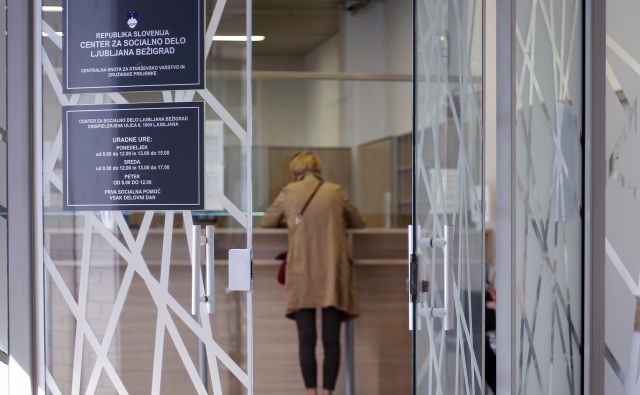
x=303 y=163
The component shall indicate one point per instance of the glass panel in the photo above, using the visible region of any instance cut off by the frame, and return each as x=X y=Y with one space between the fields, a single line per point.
x=622 y=324
x=4 y=297
x=548 y=207
x=118 y=283
x=449 y=310
x=327 y=115
x=337 y=83
x=362 y=159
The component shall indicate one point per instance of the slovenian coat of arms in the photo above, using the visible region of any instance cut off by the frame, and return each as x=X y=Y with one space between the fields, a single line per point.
x=132 y=19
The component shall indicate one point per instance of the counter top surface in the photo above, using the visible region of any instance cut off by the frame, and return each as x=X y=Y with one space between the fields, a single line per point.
x=232 y=231
x=369 y=247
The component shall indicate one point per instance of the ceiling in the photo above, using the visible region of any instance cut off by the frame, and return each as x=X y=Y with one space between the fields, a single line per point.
x=291 y=27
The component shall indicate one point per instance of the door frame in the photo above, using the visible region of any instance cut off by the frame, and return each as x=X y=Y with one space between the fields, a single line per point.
x=22 y=204
x=505 y=187
x=595 y=196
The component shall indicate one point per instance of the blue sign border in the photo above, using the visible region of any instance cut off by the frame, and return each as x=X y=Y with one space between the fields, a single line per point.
x=88 y=206
x=195 y=85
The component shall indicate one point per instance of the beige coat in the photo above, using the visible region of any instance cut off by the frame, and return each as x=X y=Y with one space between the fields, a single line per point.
x=319 y=271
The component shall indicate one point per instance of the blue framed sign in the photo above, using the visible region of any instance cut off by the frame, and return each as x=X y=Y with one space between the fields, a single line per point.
x=133 y=157
x=133 y=45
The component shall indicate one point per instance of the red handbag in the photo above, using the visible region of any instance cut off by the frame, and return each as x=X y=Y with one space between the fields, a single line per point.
x=282 y=271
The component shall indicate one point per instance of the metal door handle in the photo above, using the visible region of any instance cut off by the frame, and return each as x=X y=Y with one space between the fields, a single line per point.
x=447 y=312
x=196 y=270
x=210 y=270
x=449 y=305
x=196 y=241
x=432 y=243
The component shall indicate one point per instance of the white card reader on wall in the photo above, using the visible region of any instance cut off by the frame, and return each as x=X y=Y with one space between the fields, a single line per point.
x=239 y=270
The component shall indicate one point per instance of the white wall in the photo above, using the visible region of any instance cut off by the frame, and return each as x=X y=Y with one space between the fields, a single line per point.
x=399 y=49
x=280 y=113
x=323 y=121
x=376 y=40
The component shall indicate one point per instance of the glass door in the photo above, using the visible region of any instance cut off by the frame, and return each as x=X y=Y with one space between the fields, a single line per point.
x=139 y=299
x=4 y=211
x=447 y=265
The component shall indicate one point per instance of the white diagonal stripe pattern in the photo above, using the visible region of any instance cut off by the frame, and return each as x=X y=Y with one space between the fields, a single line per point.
x=129 y=249
x=448 y=140
x=548 y=196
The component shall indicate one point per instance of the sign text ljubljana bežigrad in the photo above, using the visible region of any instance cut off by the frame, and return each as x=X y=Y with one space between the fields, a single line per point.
x=133 y=45
x=133 y=157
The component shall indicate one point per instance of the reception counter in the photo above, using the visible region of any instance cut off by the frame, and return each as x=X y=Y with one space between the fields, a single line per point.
x=369 y=247
x=382 y=340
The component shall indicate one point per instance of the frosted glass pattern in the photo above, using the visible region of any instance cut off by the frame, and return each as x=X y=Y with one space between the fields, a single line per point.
x=118 y=284
x=448 y=194
x=548 y=204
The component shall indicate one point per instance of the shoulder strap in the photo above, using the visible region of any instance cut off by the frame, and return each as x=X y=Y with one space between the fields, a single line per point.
x=315 y=191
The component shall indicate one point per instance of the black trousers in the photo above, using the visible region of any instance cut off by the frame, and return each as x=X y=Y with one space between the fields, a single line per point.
x=489 y=356
x=306 y=322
